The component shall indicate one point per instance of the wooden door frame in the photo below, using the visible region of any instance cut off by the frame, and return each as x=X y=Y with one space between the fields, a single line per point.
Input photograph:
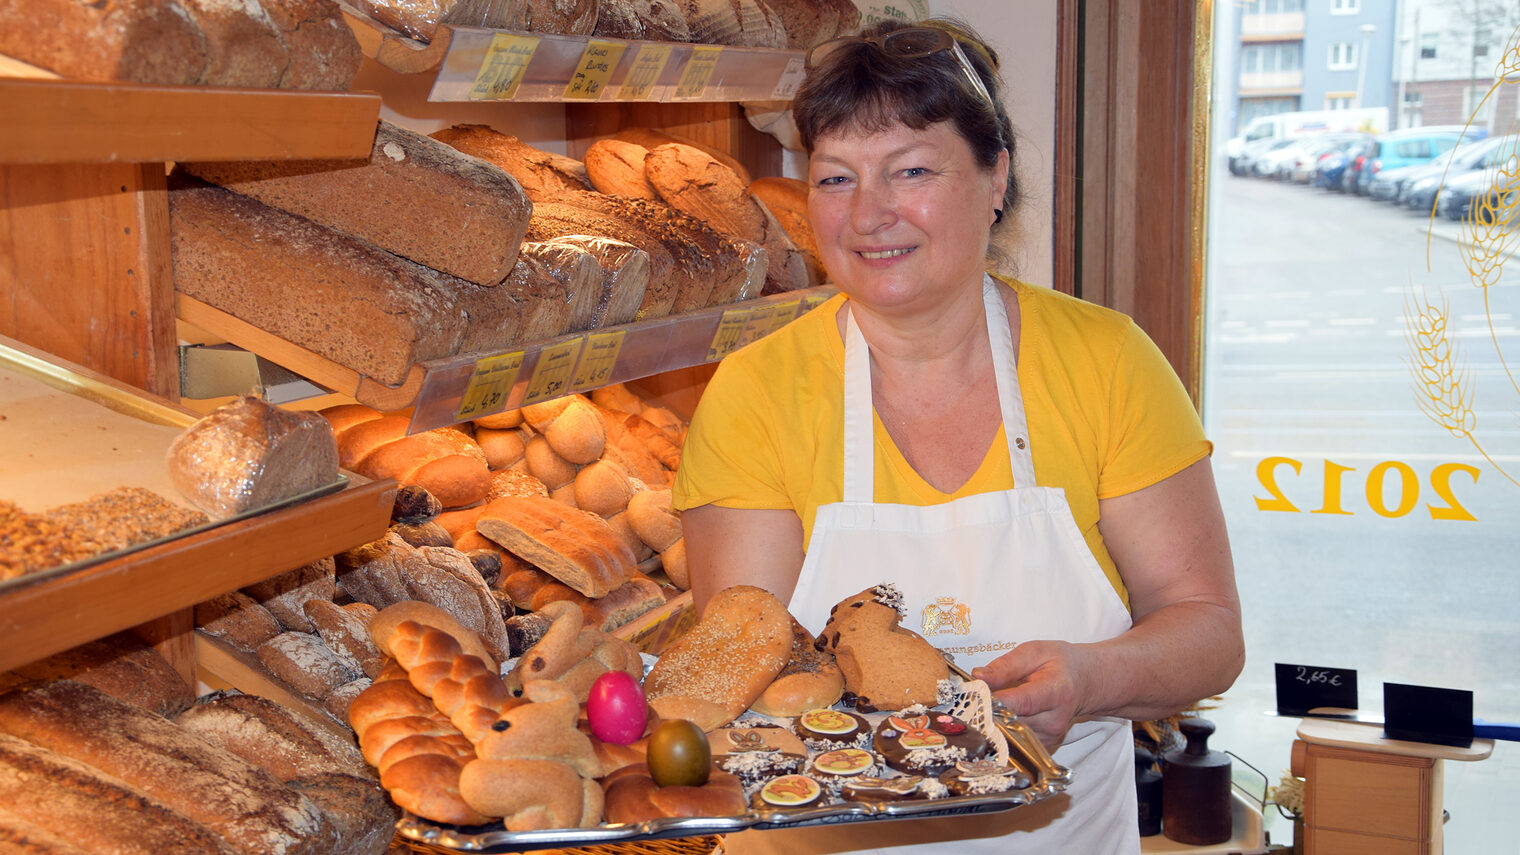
x=1132 y=89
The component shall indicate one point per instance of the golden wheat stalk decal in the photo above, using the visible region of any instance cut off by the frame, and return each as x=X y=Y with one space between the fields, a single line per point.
x=1443 y=385
x=1488 y=237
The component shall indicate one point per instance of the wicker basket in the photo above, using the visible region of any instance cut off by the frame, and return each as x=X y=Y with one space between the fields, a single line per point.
x=676 y=846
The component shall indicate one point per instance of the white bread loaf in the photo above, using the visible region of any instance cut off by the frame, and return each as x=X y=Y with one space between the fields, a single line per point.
x=445 y=462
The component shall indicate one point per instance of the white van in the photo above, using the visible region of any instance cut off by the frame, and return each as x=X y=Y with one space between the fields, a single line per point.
x=1369 y=120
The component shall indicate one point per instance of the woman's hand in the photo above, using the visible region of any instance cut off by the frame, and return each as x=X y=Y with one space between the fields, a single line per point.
x=1040 y=682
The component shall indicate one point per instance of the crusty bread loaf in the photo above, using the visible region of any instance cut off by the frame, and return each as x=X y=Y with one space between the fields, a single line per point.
x=345 y=631
x=91 y=810
x=362 y=816
x=651 y=20
x=542 y=174
x=673 y=561
x=243 y=48
x=121 y=665
x=651 y=137
x=371 y=573
x=19 y=836
x=553 y=221
x=249 y=454
x=717 y=669
x=617 y=167
x=446 y=578
x=786 y=200
x=512 y=482
x=734 y=22
x=625 y=276
x=272 y=737
x=321 y=49
x=305 y=664
x=603 y=488
x=565 y=17
x=285 y=595
x=341 y=298
x=533 y=589
x=576 y=547
x=533 y=304
x=239 y=801
x=809 y=22
x=237 y=619
x=140 y=40
x=415 y=197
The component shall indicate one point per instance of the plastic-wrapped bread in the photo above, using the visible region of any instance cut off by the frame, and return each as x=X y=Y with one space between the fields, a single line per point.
x=580 y=274
x=625 y=276
x=531 y=305
x=651 y=20
x=249 y=454
x=415 y=197
x=554 y=220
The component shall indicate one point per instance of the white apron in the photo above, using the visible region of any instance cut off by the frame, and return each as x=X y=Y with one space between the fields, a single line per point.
x=978 y=574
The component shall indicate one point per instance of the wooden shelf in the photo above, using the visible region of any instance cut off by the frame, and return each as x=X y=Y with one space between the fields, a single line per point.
x=437 y=391
x=63 y=121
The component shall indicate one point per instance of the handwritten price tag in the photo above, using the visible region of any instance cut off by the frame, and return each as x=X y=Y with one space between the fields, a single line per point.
x=698 y=72
x=551 y=377
x=785 y=314
x=812 y=301
x=593 y=70
x=791 y=80
x=597 y=359
x=1301 y=688
x=648 y=64
x=502 y=70
x=490 y=384
x=762 y=320
x=730 y=330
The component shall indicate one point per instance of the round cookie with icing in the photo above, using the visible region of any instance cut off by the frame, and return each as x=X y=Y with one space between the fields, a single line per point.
x=928 y=743
x=823 y=729
x=788 y=791
x=757 y=754
x=983 y=777
x=833 y=768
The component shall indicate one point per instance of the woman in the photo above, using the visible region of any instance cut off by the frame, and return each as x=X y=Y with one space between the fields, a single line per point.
x=1019 y=457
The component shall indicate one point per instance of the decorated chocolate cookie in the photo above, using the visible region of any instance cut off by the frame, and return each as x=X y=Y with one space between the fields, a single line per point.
x=898 y=788
x=833 y=768
x=788 y=791
x=823 y=729
x=928 y=743
x=983 y=777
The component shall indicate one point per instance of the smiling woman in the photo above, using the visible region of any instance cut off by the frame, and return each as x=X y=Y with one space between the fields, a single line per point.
x=1025 y=456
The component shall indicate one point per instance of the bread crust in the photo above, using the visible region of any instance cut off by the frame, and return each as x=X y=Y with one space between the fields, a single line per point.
x=576 y=547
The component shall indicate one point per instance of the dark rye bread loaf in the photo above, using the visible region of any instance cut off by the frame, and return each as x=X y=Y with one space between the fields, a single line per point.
x=531 y=305
x=148 y=41
x=415 y=197
x=653 y=20
x=88 y=809
x=121 y=665
x=244 y=804
x=243 y=48
x=542 y=174
x=339 y=297
x=322 y=52
x=272 y=737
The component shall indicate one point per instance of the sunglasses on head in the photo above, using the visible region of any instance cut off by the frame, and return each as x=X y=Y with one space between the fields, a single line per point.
x=907 y=43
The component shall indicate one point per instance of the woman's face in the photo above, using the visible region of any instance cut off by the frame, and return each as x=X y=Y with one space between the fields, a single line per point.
x=902 y=216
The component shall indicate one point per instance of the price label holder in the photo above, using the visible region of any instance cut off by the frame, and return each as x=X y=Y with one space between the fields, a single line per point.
x=1301 y=688
x=589 y=80
x=490 y=385
x=730 y=330
x=785 y=314
x=598 y=358
x=765 y=320
x=551 y=377
x=698 y=72
x=791 y=80
x=812 y=301
x=648 y=65
x=1427 y=714
x=501 y=72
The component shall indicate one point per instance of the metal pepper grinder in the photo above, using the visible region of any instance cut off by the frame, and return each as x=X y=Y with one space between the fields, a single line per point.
x=1195 y=787
x=1148 y=791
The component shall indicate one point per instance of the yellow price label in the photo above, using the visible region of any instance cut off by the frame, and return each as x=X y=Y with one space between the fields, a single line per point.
x=698 y=72
x=730 y=330
x=648 y=65
x=785 y=314
x=760 y=323
x=790 y=81
x=812 y=301
x=589 y=80
x=490 y=385
x=597 y=359
x=551 y=377
x=501 y=72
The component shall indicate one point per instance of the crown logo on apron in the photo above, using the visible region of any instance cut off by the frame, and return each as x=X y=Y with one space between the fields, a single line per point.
x=945 y=616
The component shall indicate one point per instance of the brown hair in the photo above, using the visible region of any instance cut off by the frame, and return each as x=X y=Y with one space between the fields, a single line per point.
x=860 y=88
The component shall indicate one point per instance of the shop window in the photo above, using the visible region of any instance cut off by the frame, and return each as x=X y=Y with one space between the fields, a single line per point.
x=1339 y=102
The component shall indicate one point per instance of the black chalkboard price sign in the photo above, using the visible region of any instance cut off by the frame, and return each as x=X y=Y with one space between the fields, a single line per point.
x=1301 y=688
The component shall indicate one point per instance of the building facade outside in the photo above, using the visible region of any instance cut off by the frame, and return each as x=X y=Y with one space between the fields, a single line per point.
x=1448 y=52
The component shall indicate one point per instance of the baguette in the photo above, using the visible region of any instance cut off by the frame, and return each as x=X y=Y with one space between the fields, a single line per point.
x=241 y=802
x=576 y=547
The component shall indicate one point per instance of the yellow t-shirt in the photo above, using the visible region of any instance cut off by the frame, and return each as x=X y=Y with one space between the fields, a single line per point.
x=1107 y=416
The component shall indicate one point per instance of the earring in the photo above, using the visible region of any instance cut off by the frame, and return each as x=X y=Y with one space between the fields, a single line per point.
x=997 y=215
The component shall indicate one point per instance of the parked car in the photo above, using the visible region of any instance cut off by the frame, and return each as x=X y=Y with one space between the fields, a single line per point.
x=1278 y=160
x=1494 y=192
x=1422 y=184
x=1403 y=148
x=1331 y=169
x=1245 y=163
x=1309 y=153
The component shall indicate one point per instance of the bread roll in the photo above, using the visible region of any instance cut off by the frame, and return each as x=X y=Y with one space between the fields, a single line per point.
x=545 y=464
x=721 y=666
x=654 y=519
x=504 y=420
x=249 y=454
x=617 y=397
x=810 y=680
x=237 y=619
x=602 y=488
x=674 y=562
x=445 y=461
x=632 y=796
x=576 y=547
x=285 y=595
x=572 y=428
